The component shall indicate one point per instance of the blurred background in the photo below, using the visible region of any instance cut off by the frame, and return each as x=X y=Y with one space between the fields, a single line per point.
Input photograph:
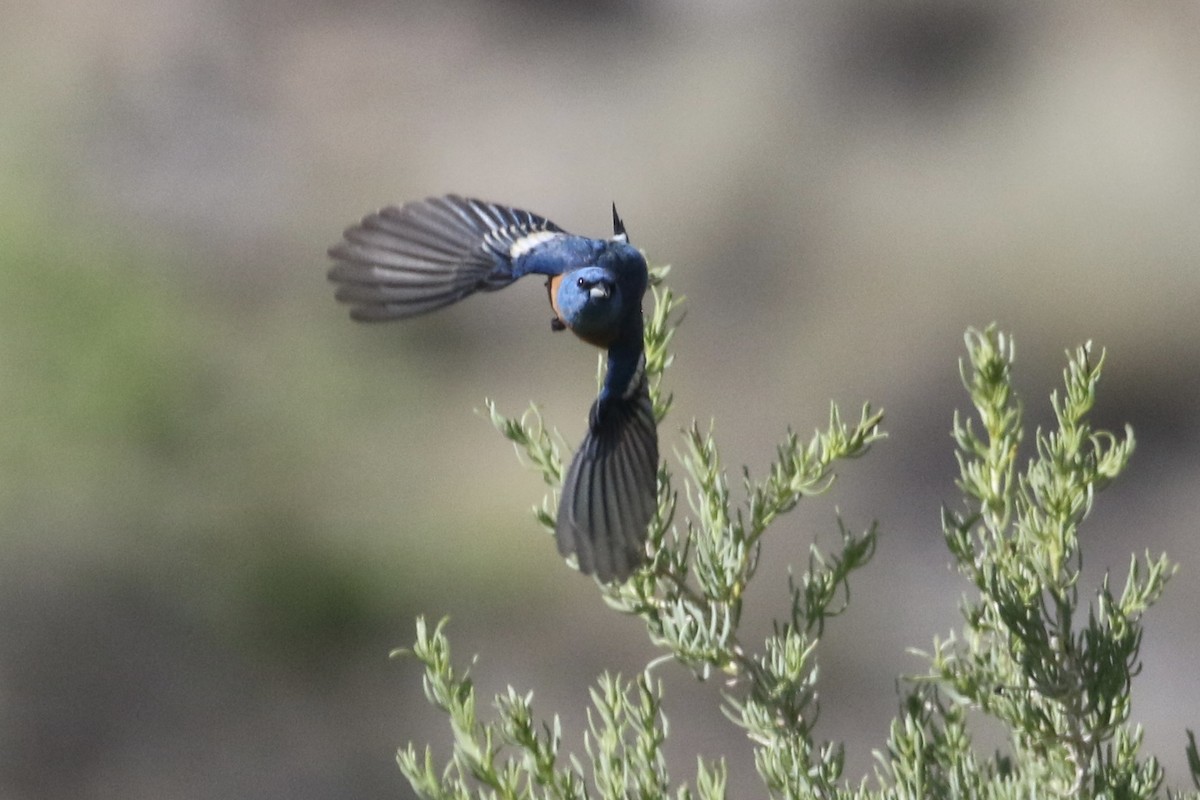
x=223 y=503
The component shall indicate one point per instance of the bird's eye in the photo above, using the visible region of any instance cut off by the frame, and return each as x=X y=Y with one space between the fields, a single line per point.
x=581 y=283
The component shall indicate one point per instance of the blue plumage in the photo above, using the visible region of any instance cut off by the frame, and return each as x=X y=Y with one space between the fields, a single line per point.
x=401 y=262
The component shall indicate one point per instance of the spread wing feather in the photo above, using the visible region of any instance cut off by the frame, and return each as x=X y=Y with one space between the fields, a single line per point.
x=400 y=262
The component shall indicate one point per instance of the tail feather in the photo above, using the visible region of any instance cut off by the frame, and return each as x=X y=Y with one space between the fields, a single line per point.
x=400 y=262
x=609 y=494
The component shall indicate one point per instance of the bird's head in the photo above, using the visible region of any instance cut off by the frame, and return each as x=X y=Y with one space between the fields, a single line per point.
x=590 y=302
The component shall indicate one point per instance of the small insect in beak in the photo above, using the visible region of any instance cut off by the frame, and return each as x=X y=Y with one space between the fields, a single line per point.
x=599 y=292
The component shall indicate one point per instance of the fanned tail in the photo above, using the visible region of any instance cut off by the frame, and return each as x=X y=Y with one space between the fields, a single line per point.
x=610 y=492
x=400 y=262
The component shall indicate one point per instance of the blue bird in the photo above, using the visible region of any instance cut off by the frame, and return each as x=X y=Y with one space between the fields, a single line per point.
x=401 y=262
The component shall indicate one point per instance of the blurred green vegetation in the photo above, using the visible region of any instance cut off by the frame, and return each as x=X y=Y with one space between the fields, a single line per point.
x=148 y=433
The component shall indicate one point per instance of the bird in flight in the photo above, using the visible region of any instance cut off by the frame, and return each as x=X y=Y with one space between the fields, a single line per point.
x=403 y=261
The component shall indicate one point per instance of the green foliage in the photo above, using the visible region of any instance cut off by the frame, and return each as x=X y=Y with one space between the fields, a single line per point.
x=1054 y=668
x=1059 y=684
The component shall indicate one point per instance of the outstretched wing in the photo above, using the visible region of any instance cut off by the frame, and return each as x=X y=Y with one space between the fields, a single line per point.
x=400 y=262
x=610 y=492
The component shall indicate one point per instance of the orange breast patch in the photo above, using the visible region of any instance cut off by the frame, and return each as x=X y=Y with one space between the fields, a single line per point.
x=552 y=284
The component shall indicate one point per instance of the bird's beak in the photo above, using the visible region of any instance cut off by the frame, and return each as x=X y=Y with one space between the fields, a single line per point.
x=600 y=291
